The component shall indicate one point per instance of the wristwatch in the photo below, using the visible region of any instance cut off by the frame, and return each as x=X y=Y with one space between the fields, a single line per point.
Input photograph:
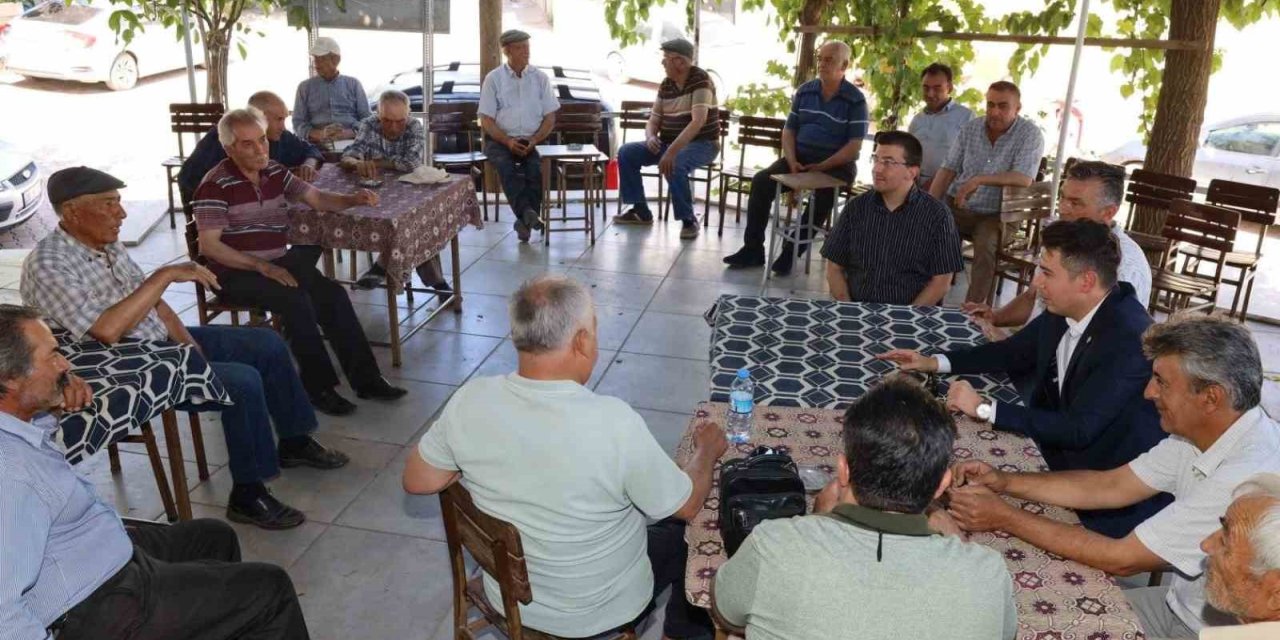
x=984 y=412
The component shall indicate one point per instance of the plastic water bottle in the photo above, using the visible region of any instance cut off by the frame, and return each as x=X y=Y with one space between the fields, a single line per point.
x=742 y=395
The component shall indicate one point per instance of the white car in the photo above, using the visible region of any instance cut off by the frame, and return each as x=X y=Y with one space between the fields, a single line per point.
x=1244 y=149
x=74 y=42
x=21 y=186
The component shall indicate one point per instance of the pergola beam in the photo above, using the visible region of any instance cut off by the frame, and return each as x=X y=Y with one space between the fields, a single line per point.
x=1131 y=43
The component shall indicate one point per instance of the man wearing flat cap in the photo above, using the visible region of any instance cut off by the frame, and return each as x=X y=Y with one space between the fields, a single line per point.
x=683 y=134
x=517 y=111
x=328 y=105
x=82 y=279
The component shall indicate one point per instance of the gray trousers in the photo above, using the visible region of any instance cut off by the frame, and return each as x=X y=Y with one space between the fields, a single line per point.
x=1158 y=620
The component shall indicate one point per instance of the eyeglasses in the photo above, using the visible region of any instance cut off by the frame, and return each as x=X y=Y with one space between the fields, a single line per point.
x=887 y=162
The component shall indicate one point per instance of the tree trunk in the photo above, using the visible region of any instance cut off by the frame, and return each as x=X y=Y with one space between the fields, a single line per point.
x=810 y=15
x=217 y=54
x=490 y=32
x=1184 y=90
x=896 y=102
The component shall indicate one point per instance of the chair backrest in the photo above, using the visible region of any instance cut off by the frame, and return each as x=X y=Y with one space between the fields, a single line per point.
x=452 y=117
x=1256 y=204
x=1201 y=225
x=194 y=119
x=633 y=116
x=493 y=543
x=1026 y=203
x=579 y=122
x=1156 y=190
x=755 y=131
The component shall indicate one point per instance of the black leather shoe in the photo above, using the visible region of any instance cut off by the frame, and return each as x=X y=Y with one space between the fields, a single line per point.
x=746 y=257
x=782 y=265
x=332 y=403
x=381 y=390
x=313 y=454
x=265 y=512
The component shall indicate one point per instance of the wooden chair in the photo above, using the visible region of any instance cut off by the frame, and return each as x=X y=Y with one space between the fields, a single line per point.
x=1256 y=205
x=496 y=547
x=581 y=122
x=1200 y=228
x=710 y=171
x=208 y=306
x=147 y=438
x=1154 y=190
x=1026 y=207
x=634 y=116
x=753 y=131
x=459 y=121
x=187 y=119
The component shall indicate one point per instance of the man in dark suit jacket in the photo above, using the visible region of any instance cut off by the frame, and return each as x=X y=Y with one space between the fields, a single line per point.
x=1086 y=410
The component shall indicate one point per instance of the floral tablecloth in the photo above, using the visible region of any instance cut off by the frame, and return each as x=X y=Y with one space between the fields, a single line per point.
x=410 y=224
x=133 y=381
x=1057 y=599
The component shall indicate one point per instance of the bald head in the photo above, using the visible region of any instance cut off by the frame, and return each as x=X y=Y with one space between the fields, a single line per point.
x=273 y=109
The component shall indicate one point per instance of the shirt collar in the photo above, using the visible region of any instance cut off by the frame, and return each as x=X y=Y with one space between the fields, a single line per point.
x=945 y=108
x=1209 y=461
x=109 y=251
x=846 y=91
x=512 y=72
x=910 y=200
x=35 y=433
x=1077 y=327
x=903 y=524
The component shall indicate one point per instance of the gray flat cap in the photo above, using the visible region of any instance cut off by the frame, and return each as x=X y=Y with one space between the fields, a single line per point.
x=74 y=182
x=679 y=46
x=512 y=36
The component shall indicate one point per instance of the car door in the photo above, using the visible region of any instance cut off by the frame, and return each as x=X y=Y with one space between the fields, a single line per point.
x=1243 y=152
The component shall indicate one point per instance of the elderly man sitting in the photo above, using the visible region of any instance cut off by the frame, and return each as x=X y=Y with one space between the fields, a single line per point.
x=868 y=559
x=82 y=279
x=1242 y=576
x=241 y=213
x=577 y=474
x=328 y=106
x=1207 y=385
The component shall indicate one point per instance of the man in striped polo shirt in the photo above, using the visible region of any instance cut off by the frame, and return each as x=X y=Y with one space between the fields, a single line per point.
x=241 y=210
x=683 y=134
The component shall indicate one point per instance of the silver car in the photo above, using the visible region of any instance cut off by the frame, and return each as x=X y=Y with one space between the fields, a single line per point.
x=1244 y=149
x=21 y=186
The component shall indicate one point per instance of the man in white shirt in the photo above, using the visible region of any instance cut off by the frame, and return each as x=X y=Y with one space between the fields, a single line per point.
x=1207 y=385
x=938 y=125
x=575 y=472
x=517 y=111
x=1242 y=574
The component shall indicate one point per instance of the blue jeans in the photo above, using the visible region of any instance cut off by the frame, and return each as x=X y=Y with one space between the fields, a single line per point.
x=633 y=155
x=255 y=367
x=521 y=177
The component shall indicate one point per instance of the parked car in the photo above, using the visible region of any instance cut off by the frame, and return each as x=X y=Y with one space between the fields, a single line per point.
x=21 y=186
x=1244 y=149
x=74 y=42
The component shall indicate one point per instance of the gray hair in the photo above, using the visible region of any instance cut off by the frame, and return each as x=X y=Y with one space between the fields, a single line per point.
x=226 y=126
x=1265 y=536
x=263 y=99
x=1213 y=352
x=846 y=53
x=15 y=350
x=547 y=310
x=394 y=95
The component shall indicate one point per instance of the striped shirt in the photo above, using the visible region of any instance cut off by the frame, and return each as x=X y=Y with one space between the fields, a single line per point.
x=1017 y=149
x=675 y=106
x=73 y=285
x=889 y=256
x=320 y=102
x=404 y=152
x=937 y=131
x=824 y=126
x=254 y=219
x=60 y=542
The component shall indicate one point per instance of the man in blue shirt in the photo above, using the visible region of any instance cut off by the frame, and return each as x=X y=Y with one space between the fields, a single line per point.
x=823 y=133
x=69 y=565
x=283 y=146
x=328 y=106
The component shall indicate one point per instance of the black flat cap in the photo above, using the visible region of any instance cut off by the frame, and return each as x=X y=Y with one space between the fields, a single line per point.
x=679 y=46
x=73 y=182
x=512 y=36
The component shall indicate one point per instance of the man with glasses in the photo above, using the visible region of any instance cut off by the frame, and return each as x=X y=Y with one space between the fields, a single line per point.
x=895 y=244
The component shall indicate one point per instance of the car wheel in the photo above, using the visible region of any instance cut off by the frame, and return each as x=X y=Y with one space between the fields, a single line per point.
x=124 y=73
x=615 y=68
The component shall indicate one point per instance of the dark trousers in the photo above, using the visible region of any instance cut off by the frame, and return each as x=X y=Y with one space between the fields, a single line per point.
x=521 y=177
x=317 y=302
x=668 y=554
x=764 y=189
x=255 y=367
x=186 y=581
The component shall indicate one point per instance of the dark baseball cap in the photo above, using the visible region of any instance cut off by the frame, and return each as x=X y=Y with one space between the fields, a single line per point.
x=74 y=182
x=679 y=46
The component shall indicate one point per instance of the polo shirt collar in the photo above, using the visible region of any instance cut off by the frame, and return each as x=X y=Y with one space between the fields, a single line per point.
x=902 y=524
x=1207 y=462
x=846 y=91
x=35 y=433
x=511 y=73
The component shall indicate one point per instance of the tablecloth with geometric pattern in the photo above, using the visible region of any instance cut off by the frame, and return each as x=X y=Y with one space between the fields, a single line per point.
x=821 y=353
x=133 y=381
x=1057 y=599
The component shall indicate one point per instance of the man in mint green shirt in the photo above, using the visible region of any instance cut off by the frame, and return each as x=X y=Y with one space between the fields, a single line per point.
x=869 y=559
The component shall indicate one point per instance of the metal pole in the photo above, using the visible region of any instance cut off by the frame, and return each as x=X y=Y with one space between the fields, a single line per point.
x=186 y=44
x=313 y=32
x=1058 y=159
x=428 y=77
x=697 y=29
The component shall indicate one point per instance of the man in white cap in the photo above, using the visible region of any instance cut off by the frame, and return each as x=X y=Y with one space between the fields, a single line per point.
x=328 y=106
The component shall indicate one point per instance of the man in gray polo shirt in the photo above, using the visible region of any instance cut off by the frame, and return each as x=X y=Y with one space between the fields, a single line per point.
x=868 y=558
x=1000 y=150
x=938 y=125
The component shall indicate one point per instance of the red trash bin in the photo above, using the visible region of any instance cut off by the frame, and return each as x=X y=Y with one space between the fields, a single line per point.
x=611 y=174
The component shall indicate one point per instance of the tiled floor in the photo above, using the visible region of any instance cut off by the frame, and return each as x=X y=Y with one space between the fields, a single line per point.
x=371 y=561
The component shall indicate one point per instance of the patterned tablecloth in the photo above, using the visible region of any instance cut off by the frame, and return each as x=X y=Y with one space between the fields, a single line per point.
x=133 y=381
x=1057 y=599
x=820 y=353
x=410 y=224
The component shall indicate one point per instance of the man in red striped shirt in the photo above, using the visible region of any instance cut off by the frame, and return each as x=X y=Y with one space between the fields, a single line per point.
x=241 y=210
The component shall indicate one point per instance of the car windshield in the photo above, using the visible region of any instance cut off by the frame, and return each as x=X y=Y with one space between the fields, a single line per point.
x=62 y=13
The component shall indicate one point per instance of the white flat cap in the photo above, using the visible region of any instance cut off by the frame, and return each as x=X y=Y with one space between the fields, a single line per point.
x=325 y=46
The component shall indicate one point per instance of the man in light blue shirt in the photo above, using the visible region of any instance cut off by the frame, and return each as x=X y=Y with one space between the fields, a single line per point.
x=328 y=106
x=68 y=564
x=937 y=126
x=517 y=111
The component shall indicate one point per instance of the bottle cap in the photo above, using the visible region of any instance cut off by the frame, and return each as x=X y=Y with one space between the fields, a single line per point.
x=744 y=373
